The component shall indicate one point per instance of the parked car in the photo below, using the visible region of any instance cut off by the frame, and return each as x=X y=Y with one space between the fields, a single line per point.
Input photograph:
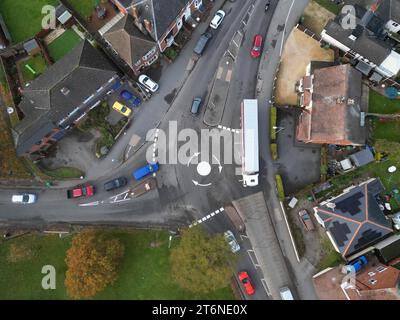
x=196 y=104
x=357 y=264
x=396 y=221
x=202 y=43
x=81 y=191
x=285 y=293
x=115 y=183
x=131 y=98
x=246 y=283
x=257 y=46
x=217 y=20
x=230 y=238
x=306 y=220
x=122 y=109
x=145 y=171
x=148 y=83
x=24 y=198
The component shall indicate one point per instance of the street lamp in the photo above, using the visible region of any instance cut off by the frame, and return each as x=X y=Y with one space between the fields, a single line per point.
x=279 y=129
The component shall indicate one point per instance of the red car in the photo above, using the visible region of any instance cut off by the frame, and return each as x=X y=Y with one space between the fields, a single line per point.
x=257 y=44
x=81 y=191
x=245 y=281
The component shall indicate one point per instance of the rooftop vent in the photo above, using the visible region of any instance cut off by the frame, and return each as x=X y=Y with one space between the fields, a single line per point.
x=372 y=281
x=340 y=100
x=350 y=101
x=65 y=91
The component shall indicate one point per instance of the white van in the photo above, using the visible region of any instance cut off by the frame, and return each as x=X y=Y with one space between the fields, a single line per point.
x=286 y=294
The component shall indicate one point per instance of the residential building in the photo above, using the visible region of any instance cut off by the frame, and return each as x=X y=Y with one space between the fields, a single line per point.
x=330 y=99
x=137 y=49
x=354 y=221
x=375 y=282
x=367 y=44
x=58 y=99
x=161 y=20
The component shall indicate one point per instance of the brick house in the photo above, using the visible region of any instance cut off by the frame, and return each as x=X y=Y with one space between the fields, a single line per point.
x=161 y=20
x=58 y=99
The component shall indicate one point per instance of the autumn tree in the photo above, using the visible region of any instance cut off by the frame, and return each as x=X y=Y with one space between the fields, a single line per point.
x=201 y=263
x=92 y=263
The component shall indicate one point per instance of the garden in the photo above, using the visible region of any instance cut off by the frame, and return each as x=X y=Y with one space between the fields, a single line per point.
x=144 y=272
x=32 y=67
x=63 y=44
x=23 y=18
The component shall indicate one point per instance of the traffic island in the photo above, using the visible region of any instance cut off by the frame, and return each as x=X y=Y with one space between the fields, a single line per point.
x=219 y=92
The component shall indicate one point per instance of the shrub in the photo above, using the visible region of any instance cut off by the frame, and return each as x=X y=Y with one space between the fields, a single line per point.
x=273 y=119
x=274 y=151
x=279 y=186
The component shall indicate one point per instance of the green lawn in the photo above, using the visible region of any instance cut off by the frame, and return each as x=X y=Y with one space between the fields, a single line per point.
x=382 y=104
x=37 y=63
x=388 y=130
x=23 y=17
x=63 y=44
x=329 y=5
x=63 y=173
x=145 y=271
x=330 y=257
x=83 y=7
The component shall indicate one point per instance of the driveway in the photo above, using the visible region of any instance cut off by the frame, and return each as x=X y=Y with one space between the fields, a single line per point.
x=299 y=163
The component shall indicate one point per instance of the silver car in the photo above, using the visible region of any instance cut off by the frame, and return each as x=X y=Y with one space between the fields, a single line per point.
x=230 y=238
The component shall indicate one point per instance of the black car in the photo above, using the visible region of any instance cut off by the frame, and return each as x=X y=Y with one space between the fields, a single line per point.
x=115 y=184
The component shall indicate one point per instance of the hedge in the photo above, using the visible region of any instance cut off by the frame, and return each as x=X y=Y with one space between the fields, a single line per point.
x=273 y=119
x=274 y=151
x=279 y=186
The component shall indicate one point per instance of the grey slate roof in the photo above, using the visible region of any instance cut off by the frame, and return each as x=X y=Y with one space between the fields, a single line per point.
x=367 y=44
x=362 y=157
x=165 y=12
x=356 y=222
x=82 y=71
x=389 y=10
x=130 y=43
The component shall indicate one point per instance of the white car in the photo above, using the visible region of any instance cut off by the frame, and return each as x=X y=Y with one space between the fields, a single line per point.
x=25 y=198
x=217 y=20
x=396 y=221
x=230 y=238
x=148 y=83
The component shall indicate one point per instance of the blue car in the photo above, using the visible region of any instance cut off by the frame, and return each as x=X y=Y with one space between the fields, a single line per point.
x=135 y=101
x=145 y=171
x=357 y=264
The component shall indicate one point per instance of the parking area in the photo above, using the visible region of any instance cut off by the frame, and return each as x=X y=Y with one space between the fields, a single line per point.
x=299 y=163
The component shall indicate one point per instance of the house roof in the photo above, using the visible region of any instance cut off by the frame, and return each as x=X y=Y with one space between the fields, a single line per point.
x=31 y=45
x=162 y=13
x=385 y=287
x=362 y=157
x=366 y=44
x=354 y=219
x=80 y=73
x=389 y=249
x=130 y=43
x=334 y=115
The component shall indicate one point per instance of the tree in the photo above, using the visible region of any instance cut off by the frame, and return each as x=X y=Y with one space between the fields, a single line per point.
x=92 y=263
x=201 y=263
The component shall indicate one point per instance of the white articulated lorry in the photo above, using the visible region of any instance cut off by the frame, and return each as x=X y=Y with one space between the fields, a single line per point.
x=250 y=153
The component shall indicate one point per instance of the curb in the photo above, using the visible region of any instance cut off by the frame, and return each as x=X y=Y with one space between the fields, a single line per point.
x=290 y=233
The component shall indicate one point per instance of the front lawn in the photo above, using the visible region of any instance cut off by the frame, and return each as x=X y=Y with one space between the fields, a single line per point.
x=330 y=257
x=37 y=63
x=330 y=5
x=388 y=130
x=23 y=17
x=63 y=44
x=381 y=104
x=145 y=272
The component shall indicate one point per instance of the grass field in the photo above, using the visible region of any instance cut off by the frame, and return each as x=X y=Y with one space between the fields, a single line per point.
x=23 y=18
x=388 y=130
x=83 y=7
x=37 y=63
x=329 y=5
x=381 y=104
x=63 y=44
x=144 y=274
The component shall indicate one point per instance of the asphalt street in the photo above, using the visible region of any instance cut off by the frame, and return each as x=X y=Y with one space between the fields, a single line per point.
x=181 y=197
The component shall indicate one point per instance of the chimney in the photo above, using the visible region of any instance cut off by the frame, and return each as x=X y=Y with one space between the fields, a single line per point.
x=148 y=25
x=135 y=12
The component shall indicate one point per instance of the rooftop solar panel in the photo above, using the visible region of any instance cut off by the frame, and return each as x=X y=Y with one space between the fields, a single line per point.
x=352 y=204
